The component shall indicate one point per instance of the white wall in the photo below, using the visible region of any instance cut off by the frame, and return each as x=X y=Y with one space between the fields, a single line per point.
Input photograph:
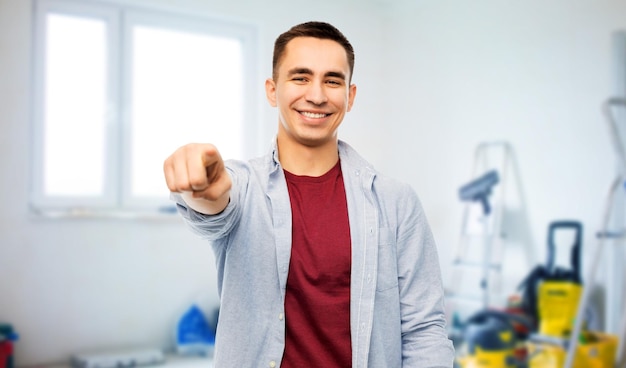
x=434 y=80
x=74 y=285
x=533 y=73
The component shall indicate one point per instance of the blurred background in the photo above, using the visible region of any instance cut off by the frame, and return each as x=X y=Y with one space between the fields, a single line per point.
x=90 y=255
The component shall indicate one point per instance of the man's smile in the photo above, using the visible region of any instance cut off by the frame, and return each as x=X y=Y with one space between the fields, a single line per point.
x=314 y=115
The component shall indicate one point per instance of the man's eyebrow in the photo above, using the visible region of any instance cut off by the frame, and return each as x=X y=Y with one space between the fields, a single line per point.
x=300 y=71
x=339 y=75
x=308 y=71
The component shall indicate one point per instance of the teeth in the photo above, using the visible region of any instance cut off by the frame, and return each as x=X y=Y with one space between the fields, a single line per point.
x=313 y=115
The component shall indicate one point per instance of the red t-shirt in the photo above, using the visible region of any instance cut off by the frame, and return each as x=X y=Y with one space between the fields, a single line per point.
x=317 y=300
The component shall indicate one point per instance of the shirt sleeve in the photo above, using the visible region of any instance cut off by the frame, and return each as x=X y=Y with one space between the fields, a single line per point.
x=213 y=227
x=425 y=342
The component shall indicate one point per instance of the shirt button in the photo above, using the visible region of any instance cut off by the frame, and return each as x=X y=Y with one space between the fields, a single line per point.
x=281 y=316
x=272 y=364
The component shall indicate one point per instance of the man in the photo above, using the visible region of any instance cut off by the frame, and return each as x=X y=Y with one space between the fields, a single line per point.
x=322 y=262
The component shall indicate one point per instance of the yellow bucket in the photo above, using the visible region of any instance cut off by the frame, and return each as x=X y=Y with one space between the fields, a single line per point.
x=599 y=353
x=488 y=359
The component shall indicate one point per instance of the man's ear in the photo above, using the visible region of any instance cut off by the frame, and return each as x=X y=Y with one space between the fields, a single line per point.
x=270 y=91
x=351 y=95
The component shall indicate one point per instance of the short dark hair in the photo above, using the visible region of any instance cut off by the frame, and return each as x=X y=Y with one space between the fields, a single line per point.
x=319 y=30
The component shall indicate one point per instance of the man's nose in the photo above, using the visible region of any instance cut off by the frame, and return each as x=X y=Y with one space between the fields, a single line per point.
x=316 y=94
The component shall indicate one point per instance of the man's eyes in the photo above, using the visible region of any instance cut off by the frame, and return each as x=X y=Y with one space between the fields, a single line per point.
x=300 y=80
x=332 y=82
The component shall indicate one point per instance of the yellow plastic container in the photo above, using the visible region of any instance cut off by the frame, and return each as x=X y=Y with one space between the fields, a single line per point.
x=558 y=303
x=597 y=354
x=488 y=359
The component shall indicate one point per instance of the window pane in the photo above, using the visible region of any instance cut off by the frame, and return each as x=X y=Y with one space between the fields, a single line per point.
x=75 y=106
x=186 y=87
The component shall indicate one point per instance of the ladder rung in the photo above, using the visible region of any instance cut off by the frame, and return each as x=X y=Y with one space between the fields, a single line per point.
x=469 y=236
x=493 y=266
x=465 y=297
x=611 y=234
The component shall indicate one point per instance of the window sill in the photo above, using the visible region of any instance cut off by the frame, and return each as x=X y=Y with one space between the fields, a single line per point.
x=163 y=214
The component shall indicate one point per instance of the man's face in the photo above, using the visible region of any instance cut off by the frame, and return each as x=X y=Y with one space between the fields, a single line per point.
x=311 y=91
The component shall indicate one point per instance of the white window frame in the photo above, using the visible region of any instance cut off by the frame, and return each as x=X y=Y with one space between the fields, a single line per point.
x=117 y=200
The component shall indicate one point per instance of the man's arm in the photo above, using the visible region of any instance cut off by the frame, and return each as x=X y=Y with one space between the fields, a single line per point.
x=424 y=335
x=197 y=171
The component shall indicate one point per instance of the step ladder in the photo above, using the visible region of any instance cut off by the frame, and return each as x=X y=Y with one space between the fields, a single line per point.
x=481 y=243
x=613 y=232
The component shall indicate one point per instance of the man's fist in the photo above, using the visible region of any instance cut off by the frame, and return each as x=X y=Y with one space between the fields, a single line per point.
x=197 y=172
